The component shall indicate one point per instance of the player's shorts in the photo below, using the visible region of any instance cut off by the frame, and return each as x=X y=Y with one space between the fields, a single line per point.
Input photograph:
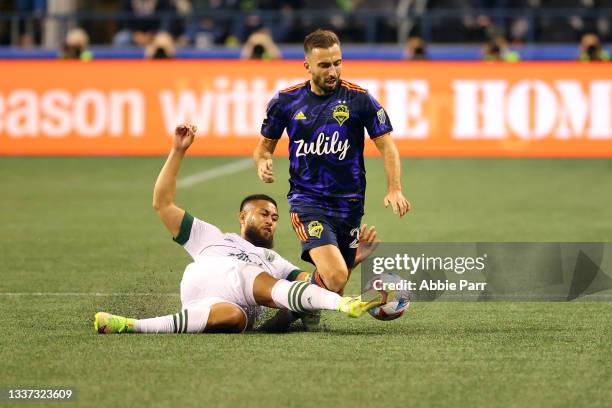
x=221 y=280
x=315 y=229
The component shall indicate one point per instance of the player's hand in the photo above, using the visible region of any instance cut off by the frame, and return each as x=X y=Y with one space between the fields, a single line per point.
x=183 y=136
x=368 y=243
x=264 y=170
x=398 y=202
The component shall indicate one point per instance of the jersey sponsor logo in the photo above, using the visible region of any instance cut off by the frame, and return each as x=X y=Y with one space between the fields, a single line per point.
x=382 y=117
x=300 y=116
x=241 y=256
x=341 y=113
x=315 y=229
x=244 y=257
x=323 y=145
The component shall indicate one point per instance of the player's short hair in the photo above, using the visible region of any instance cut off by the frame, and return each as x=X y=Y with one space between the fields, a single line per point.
x=320 y=39
x=255 y=197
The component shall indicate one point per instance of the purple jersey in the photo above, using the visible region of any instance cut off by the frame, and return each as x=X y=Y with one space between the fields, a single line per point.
x=326 y=141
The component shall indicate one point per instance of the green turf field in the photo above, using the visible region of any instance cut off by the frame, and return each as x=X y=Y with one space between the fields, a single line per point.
x=73 y=227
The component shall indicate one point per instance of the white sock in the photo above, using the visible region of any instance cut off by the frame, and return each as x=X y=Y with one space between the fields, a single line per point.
x=189 y=320
x=161 y=324
x=302 y=297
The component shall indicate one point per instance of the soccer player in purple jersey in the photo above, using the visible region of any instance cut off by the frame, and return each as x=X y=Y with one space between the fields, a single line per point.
x=325 y=119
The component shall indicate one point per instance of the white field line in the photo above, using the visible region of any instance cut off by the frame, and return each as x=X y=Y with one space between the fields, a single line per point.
x=87 y=294
x=189 y=181
x=595 y=296
x=216 y=172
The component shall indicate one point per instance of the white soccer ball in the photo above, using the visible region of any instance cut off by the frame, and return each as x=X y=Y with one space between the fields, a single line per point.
x=397 y=300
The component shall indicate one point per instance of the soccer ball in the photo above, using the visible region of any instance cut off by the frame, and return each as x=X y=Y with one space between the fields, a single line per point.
x=397 y=300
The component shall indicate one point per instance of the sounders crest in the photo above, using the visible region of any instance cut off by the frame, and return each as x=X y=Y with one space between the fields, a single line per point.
x=341 y=113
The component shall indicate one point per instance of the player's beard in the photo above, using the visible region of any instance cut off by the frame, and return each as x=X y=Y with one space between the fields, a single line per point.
x=254 y=237
x=324 y=86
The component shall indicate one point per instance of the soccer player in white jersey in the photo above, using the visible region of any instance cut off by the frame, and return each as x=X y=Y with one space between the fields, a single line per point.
x=231 y=273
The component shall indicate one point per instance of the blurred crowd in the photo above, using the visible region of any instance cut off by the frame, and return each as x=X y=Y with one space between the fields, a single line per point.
x=160 y=26
x=522 y=20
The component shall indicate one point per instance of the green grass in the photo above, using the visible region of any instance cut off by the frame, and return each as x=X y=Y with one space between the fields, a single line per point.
x=86 y=225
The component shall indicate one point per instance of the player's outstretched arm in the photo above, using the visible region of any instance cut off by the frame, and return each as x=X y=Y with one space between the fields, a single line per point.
x=391 y=159
x=263 y=159
x=164 y=192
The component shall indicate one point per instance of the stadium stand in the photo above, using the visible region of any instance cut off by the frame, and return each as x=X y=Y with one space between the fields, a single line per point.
x=449 y=29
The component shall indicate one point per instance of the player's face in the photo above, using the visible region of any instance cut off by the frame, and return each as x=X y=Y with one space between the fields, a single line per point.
x=258 y=223
x=324 y=66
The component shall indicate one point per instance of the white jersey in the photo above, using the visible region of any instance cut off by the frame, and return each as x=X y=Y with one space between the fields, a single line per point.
x=211 y=248
x=207 y=241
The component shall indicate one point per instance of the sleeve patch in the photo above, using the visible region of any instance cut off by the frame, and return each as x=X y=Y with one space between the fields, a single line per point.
x=185 y=231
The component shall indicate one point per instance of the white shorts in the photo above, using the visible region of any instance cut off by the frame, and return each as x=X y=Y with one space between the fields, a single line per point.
x=219 y=280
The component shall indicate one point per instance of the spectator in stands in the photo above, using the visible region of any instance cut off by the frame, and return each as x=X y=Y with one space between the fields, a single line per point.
x=76 y=45
x=181 y=10
x=507 y=53
x=591 y=49
x=282 y=30
x=162 y=47
x=204 y=33
x=497 y=49
x=491 y=52
x=416 y=49
x=260 y=46
x=30 y=30
x=252 y=24
x=565 y=25
x=141 y=28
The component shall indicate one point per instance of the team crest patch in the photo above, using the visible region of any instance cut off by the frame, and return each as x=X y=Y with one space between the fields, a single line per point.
x=341 y=113
x=315 y=229
x=382 y=118
x=269 y=255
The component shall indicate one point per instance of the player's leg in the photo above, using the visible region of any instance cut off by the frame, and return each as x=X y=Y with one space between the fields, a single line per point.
x=200 y=317
x=317 y=234
x=207 y=306
x=280 y=322
x=208 y=285
x=226 y=318
x=299 y=296
x=331 y=269
x=348 y=240
x=337 y=261
x=295 y=296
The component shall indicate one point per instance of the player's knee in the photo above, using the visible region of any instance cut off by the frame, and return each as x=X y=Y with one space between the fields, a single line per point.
x=236 y=320
x=226 y=318
x=335 y=279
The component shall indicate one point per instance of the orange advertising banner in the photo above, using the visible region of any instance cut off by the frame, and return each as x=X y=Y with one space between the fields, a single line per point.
x=437 y=109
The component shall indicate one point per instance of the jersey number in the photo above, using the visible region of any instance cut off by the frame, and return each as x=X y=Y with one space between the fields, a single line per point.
x=354 y=233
